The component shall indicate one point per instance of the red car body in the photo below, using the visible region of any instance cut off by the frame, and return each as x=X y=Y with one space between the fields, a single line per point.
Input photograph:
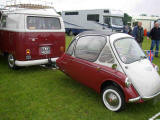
x=94 y=76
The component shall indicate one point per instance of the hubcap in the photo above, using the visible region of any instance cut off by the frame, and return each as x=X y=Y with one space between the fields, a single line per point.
x=112 y=100
x=11 y=60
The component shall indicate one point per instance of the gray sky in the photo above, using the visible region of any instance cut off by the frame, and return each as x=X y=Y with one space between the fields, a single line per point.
x=132 y=7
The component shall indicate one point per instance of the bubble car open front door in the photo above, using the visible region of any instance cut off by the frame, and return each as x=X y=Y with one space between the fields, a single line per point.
x=139 y=70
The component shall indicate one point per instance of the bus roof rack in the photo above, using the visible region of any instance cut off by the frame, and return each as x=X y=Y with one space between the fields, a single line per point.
x=30 y=6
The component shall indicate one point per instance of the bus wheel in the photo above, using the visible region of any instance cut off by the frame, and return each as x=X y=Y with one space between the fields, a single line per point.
x=11 y=61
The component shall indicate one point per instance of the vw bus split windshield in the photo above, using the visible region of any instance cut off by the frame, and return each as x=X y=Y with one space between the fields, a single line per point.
x=43 y=23
x=116 y=21
x=128 y=50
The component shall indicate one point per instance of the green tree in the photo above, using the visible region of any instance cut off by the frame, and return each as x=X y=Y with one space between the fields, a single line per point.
x=126 y=18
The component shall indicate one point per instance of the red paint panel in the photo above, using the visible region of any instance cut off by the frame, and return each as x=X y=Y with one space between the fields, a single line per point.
x=94 y=75
x=18 y=42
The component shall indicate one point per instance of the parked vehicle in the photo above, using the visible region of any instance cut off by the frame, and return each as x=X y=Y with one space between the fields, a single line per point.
x=114 y=65
x=98 y=19
x=31 y=35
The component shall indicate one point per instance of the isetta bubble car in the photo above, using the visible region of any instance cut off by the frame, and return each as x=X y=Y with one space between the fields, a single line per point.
x=114 y=65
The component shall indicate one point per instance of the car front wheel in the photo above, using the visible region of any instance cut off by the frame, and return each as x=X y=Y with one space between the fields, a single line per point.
x=113 y=98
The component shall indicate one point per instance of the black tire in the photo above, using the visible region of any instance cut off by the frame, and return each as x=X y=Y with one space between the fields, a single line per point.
x=113 y=98
x=11 y=62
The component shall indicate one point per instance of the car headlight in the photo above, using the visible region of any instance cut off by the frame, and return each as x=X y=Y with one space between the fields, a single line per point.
x=157 y=68
x=128 y=82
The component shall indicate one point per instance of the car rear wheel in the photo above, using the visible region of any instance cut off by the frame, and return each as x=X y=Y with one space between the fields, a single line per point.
x=113 y=98
x=11 y=61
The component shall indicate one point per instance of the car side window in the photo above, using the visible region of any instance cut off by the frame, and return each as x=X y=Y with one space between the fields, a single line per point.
x=71 y=48
x=89 y=47
x=106 y=56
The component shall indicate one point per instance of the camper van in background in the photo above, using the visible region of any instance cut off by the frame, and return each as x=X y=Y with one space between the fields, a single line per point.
x=31 y=35
x=99 y=19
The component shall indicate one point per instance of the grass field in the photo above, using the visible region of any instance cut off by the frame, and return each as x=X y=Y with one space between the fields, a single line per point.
x=37 y=93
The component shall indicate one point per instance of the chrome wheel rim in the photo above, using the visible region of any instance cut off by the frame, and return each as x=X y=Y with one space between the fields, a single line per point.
x=112 y=100
x=11 y=60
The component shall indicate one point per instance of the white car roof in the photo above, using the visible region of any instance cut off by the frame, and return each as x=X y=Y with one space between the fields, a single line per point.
x=113 y=35
x=116 y=36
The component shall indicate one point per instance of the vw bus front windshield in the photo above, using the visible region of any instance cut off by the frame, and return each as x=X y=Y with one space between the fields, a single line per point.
x=128 y=50
x=117 y=21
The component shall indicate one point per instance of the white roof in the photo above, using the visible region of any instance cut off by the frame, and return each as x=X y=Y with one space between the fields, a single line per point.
x=111 y=11
x=117 y=36
x=144 y=18
x=45 y=12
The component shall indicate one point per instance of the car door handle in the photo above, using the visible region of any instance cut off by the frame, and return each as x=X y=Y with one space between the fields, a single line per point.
x=98 y=68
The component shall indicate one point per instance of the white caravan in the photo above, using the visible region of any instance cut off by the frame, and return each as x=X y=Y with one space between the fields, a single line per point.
x=98 y=19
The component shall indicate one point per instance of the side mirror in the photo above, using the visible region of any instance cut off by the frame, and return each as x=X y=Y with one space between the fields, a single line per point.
x=114 y=66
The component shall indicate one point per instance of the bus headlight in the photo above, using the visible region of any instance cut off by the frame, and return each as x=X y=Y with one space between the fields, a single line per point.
x=127 y=82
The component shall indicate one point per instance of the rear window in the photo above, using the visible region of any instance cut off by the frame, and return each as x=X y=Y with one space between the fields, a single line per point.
x=43 y=23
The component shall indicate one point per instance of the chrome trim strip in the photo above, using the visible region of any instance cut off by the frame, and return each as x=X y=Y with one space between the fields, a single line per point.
x=134 y=99
x=150 y=97
x=33 y=62
x=143 y=98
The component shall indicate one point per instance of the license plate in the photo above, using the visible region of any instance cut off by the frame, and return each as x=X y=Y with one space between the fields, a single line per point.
x=45 y=50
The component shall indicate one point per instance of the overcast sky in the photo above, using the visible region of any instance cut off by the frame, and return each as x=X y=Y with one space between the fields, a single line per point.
x=132 y=7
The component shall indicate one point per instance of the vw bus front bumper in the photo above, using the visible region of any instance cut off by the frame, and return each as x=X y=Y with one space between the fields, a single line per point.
x=137 y=99
x=34 y=62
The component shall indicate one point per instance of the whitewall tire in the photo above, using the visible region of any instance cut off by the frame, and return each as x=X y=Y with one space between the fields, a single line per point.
x=113 y=98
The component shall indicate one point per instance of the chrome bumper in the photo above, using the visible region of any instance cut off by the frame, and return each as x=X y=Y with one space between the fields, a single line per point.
x=143 y=98
x=33 y=62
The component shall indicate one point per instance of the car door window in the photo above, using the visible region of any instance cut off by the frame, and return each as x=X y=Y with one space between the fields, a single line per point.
x=71 y=48
x=89 y=47
x=106 y=56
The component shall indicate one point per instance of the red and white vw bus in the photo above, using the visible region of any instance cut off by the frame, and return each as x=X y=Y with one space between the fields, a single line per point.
x=31 y=36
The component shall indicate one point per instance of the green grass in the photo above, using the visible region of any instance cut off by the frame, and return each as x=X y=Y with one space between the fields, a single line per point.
x=36 y=93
